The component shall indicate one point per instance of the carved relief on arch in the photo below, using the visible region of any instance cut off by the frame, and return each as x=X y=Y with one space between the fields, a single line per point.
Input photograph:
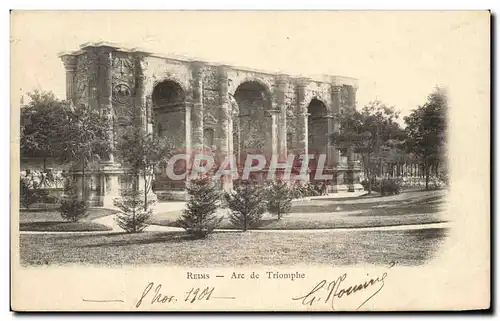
x=122 y=93
x=122 y=78
x=82 y=79
x=209 y=120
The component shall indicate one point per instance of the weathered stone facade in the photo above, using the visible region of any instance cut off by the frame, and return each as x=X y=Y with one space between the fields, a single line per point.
x=203 y=105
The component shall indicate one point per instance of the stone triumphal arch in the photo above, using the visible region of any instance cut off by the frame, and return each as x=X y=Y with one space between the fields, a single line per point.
x=207 y=106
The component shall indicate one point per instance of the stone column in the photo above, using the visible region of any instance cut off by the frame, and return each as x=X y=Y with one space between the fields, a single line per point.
x=352 y=96
x=302 y=119
x=143 y=105
x=197 y=99
x=330 y=148
x=224 y=116
x=141 y=101
x=337 y=105
x=332 y=155
x=274 y=132
x=69 y=62
x=148 y=100
x=187 y=121
x=351 y=179
x=107 y=99
x=281 y=90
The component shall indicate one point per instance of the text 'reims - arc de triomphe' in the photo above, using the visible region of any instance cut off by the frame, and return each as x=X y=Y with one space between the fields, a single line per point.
x=202 y=105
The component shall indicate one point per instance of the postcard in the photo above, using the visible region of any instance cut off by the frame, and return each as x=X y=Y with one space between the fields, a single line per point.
x=250 y=160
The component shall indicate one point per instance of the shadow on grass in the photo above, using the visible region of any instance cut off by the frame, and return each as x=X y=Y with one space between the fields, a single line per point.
x=399 y=211
x=143 y=238
x=38 y=209
x=226 y=225
x=429 y=234
x=62 y=226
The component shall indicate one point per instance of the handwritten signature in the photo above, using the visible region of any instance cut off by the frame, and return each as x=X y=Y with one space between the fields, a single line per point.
x=336 y=290
x=154 y=295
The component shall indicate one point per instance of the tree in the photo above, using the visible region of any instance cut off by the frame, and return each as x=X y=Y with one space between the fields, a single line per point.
x=246 y=205
x=134 y=216
x=143 y=152
x=85 y=137
x=199 y=219
x=71 y=208
x=40 y=125
x=28 y=195
x=426 y=130
x=369 y=132
x=279 y=199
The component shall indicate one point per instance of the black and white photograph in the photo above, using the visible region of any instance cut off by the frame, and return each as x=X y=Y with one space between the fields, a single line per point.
x=250 y=147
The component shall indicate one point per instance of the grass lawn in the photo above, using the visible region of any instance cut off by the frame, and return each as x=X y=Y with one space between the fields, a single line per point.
x=415 y=208
x=412 y=247
x=366 y=202
x=50 y=220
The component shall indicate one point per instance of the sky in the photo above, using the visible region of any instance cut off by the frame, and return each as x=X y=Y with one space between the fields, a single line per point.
x=398 y=57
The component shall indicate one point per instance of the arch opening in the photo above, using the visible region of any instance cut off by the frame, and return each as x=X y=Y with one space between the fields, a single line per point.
x=317 y=124
x=169 y=111
x=169 y=120
x=252 y=126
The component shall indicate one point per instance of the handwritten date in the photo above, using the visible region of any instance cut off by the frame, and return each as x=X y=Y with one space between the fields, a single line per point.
x=154 y=295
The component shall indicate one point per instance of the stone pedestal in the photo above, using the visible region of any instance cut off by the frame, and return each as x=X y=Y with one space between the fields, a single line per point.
x=102 y=184
x=110 y=174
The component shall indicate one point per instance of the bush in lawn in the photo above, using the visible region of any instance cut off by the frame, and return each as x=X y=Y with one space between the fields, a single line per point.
x=29 y=196
x=247 y=205
x=311 y=189
x=319 y=188
x=72 y=209
x=375 y=184
x=133 y=218
x=279 y=200
x=199 y=219
x=298 y=190
x=390 y=187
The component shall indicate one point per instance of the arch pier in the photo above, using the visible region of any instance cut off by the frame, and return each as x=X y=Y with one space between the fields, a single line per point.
x=205 y=107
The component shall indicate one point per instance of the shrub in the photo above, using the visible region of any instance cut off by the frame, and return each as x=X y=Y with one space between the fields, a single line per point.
x=296 y=190
x=247 y=205
x=133 y=217
x=279 y=201
x=73 y=209
x=318 y=188
x=389 y=187
x=375 y=184
x=29 y=196
x=199 y=219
